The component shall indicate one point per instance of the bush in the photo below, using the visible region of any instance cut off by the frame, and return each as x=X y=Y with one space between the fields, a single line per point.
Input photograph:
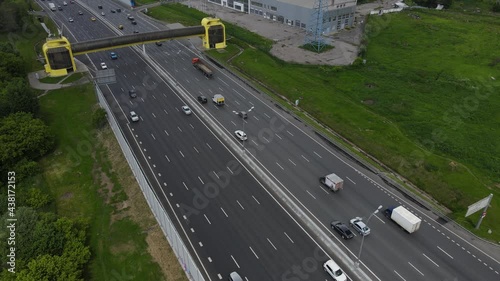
x=99 y=118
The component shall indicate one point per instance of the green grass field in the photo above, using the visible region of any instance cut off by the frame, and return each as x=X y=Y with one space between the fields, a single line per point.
x=84 y=183
x=424 y=103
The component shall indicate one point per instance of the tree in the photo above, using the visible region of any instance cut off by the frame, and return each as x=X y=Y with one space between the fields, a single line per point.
x=12 y=64
x=17 y=96
x=37 y=199
x=23 y=137
x=49 y=268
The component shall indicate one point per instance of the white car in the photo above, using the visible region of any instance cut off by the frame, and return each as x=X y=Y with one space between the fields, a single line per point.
x=71 y=20
x=103 y=65
x=334 y=270
x=65 y=3
x=359 y=226
x=133 y=116
x=103 y=14
x=186 y=110
x=241 y=135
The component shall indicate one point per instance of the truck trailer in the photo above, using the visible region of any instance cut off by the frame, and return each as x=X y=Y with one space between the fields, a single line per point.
x=332 y=181
x=198 y=64
x=404 y=218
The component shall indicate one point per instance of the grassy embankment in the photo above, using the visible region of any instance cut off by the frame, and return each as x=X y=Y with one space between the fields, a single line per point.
x=424 y=104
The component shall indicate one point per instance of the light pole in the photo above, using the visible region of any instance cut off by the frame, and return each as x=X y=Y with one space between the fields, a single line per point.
x=363 y=239
x=243 y=119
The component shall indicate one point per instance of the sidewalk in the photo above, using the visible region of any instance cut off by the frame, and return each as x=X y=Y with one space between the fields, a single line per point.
x=34 y=79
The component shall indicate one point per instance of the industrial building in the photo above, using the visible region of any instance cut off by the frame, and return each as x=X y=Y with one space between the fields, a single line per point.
x=328 y=15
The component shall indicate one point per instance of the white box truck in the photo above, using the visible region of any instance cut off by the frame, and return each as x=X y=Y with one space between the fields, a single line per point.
x=332 y=181
x=218 y=99
x=404 y=218
x=52 y=6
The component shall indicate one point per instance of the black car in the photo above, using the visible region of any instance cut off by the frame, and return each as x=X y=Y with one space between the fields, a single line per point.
x=134 y=22
x=113 y=11
x=132 y=93
x=342 y=229
x=158 y=43
x=202 y=99
x=80 y=13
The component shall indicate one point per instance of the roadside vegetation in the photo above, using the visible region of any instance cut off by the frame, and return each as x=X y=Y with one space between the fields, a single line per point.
x=80 y=214
x=424 y=104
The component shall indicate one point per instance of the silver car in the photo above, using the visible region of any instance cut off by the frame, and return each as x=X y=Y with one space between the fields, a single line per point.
x=186 y=110
x=133 y=116
x=359 y=226
x=241 y=135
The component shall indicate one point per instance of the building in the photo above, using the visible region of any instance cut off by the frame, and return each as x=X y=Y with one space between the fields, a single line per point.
x=336 y=14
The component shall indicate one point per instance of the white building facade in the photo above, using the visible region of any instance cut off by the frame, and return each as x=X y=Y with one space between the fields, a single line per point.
x=336 y=14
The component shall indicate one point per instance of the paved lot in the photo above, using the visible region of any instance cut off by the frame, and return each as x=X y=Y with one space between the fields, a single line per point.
x=288 y=39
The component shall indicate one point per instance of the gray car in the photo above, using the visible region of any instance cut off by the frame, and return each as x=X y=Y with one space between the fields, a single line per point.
x=234 y=276
x=359 y=226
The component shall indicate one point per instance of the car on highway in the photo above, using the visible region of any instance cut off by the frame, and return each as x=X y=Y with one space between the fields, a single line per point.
x=135 y=31
x=113 y=55
x=65 y=3
x=241 y=135
x=134 y=22
x=70 y=20
x=133 y=116
x=92 y=18
x=113 y=11
x=103 y=14
x=202 y=99
x=234 y=276
x=158 y=43
x=243 y=114
x=99 y=6
x=132 y=93
x=59 y=8
x=342 y=229
x=186 y=110
x=359 y=226
x=103 y=65
x=130 y=17
x=80 y=13
x=120 y=26
x=333 y=269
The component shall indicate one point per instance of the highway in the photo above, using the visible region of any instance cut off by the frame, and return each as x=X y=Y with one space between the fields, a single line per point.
x=229 y=225
x=185 y=155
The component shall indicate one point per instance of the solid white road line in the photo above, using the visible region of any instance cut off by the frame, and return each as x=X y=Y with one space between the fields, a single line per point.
x=416 y=268
x=445 y=252
x=431 y=260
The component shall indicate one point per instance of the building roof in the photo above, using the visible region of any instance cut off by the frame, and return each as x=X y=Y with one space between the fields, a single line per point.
x=310 y=3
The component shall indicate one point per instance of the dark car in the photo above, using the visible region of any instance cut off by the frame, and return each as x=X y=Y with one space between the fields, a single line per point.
x=99 y=6
x=158 y=43
x=202 y=99
x=342 y=229
x=132 y=93
x=80 y=13
x=113 y=11
x=118 y=10
x=134 y=22
x=243 y=114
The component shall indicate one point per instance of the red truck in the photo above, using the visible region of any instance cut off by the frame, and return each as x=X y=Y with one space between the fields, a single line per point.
x=198 y=64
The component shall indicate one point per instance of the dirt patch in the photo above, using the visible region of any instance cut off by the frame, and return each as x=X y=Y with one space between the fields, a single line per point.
x=67 y=195
x=122 y=248
x=369 y=102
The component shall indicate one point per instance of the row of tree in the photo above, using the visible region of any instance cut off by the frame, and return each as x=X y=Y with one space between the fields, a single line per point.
x=47 y=246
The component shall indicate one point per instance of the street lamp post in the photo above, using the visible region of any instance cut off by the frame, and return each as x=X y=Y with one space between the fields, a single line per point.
x=363 y=239
x=243 y=119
